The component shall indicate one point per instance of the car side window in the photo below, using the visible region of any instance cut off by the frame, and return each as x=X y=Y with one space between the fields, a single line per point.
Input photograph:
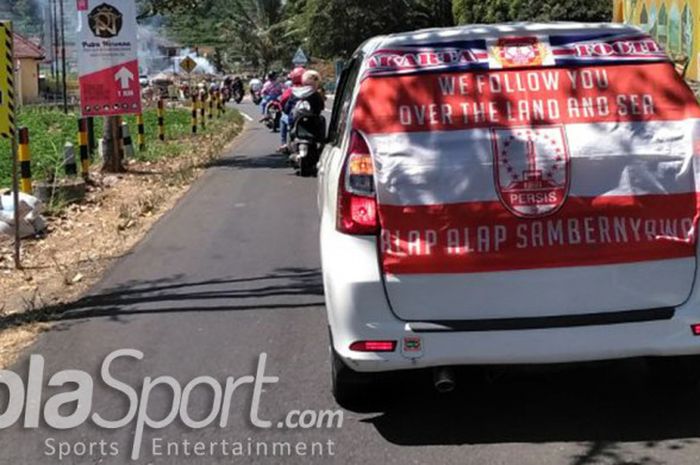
x=341 y=106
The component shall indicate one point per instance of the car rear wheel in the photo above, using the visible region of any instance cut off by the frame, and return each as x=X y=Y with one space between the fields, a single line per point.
x=675 y=372
x=351 y=389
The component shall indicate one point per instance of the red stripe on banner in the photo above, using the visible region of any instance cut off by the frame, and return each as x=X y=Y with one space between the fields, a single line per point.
x=466 y=100
x=484 y=237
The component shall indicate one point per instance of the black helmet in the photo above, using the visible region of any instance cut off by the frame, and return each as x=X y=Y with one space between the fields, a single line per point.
x=272 y=76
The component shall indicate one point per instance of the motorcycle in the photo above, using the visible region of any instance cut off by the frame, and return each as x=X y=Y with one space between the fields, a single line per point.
x=225 y=94
x=273 y=115
x=256 y=96
x=307 y=136
x=237 y=94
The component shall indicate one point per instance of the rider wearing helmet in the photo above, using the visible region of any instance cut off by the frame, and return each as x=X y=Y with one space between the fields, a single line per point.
x=295 y=76
x=271 y=90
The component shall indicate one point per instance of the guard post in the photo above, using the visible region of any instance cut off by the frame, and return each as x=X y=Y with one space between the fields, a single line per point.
x=70 y=167
x=83 y=143
x=25 y=162
x=161 y=120
x=127 y=142
x=141 y=134
x=194 y=114
x=202 y=110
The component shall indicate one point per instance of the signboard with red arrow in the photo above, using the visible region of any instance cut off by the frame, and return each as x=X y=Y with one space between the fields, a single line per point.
x=107 y=58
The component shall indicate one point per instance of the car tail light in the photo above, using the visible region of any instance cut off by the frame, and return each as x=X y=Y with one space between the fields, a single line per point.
x=695 y=328
x=357 y=199
x=373 y=346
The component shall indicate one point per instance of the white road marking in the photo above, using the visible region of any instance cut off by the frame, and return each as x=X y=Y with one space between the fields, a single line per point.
x=245 y=115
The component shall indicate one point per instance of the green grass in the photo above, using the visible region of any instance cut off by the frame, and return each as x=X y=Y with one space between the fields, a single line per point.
x=50 y=129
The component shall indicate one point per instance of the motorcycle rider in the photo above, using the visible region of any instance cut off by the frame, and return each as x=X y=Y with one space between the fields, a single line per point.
x=295 y=77
x=272 y=90
x=255 y=85
x=309 y=91
x=237 y=84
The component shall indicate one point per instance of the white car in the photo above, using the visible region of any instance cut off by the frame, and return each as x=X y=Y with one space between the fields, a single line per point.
x=512 y=194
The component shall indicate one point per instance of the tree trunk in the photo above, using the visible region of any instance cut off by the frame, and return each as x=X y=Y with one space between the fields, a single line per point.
x=112 y=154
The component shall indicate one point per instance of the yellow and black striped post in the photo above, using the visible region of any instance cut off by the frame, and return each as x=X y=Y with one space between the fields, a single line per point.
x=83 y=143
x=7 y=121
x=25 y=161
x=161 y=120
x=92 y=143
x=203 y=110
x=211 y=105
x=141 y=134
x=194 y=114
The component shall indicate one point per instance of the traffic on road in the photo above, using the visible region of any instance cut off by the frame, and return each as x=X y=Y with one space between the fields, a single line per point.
x=474 y=244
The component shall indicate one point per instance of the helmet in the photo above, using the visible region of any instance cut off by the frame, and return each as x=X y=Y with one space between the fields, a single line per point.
x=272 y=76
x=296 y=75
x=311 y=78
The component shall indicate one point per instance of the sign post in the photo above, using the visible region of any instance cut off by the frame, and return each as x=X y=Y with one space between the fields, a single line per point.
x=300 y=58
x=7 y=119
x=107 y=58
x=188 y=65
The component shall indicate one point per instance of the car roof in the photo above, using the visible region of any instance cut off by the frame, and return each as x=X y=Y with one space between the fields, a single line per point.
x=482 y=31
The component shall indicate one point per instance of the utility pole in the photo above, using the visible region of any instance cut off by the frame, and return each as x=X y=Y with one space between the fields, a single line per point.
x=63 y=60
x=54 y=25
x=49 y=11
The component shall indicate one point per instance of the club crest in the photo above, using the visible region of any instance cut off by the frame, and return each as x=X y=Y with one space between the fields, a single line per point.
x=515 y=52
x=531 y=169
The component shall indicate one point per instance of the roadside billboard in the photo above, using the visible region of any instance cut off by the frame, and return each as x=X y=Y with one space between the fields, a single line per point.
x=670 y=22
x=107 y=58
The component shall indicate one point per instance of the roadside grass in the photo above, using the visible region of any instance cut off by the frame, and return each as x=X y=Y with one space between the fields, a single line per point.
x=50 y=129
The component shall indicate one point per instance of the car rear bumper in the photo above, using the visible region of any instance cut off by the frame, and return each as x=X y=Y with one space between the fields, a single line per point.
x=358 y=310
x=559 y=345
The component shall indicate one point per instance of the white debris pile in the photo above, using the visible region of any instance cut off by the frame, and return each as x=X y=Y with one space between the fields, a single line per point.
x=30 y=208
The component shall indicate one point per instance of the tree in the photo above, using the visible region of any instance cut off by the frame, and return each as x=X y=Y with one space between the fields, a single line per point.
x=338 y=27
x=27 y=16
x=565 y=10
x=256 y=32
x=492 y=11
x=430 y=13
x=148 y=8
x=330 y=37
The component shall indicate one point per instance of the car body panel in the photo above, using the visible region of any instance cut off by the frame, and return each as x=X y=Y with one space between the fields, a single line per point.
x=371 y=298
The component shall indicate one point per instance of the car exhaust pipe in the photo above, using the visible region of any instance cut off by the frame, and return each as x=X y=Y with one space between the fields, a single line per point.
x=444 y=380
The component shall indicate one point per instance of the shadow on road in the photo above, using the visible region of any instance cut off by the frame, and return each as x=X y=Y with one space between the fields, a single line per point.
x=274 y=291
x=601 y=406
x=271 y=161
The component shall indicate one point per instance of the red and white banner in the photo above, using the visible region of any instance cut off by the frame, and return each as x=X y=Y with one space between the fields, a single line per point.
x=107 y=58
x=533 y=168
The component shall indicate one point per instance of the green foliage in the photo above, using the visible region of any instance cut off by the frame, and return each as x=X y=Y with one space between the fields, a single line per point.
x=492 y=11
x=149 y=8
x=264 y=33
x=25 y=13
x=254 y=32
x=338 y=27
x=50 y=129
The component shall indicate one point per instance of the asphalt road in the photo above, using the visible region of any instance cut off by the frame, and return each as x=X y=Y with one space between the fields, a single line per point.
x=233 y=272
